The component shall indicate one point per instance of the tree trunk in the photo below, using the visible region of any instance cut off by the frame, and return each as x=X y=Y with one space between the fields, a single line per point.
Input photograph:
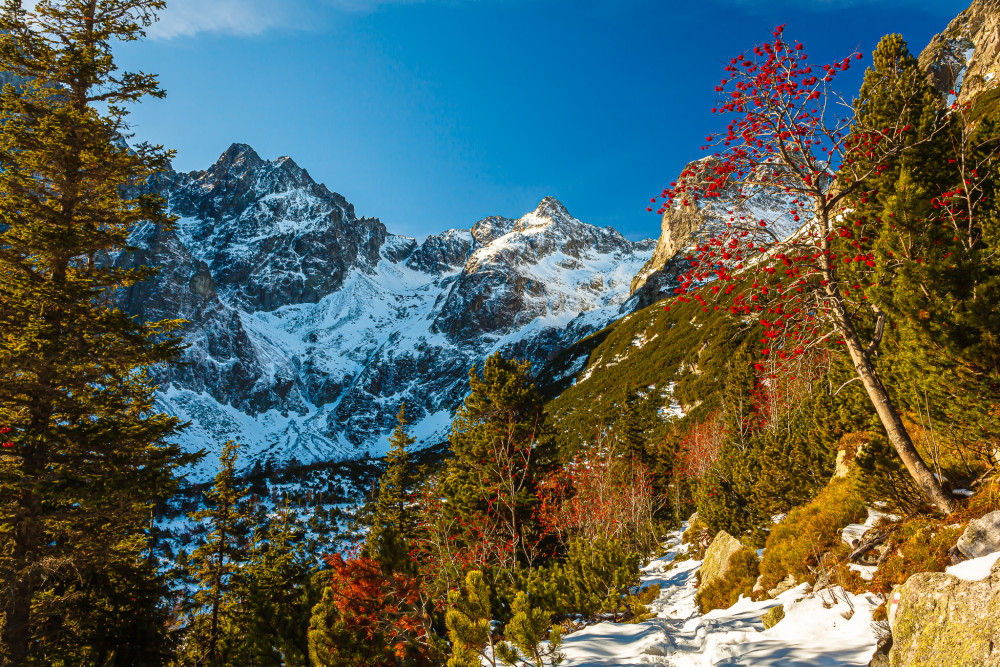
x=889 y=416
x=17 y=610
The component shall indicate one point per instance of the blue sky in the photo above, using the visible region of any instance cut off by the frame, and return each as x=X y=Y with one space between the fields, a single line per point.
x=433 y=114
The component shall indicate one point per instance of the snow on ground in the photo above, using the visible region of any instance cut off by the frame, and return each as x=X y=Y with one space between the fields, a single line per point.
x=815 y=632
x=975 y=569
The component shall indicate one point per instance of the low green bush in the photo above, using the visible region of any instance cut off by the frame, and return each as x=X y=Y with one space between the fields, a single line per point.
x=798 y=544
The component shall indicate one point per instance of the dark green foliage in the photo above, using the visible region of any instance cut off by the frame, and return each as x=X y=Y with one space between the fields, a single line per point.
x=217 y=621
x=767 y=470
x=741 y=575
x=88 y=455
x=684 y=335
x=392 y=523
x=277 y=592
x=499 y=446
x=595 y=579
x=930 y=216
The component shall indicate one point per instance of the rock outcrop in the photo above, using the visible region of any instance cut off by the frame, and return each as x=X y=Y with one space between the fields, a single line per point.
x=716 y=563
x=695 y=220
x=942 y=620
x=965 y=57
x=981 y=536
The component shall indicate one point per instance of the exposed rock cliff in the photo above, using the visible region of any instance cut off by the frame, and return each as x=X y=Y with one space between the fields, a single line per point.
x=965 y=57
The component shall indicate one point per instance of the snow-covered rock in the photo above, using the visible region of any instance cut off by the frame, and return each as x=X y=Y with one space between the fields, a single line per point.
x=965 y=56
x=308 y=326
x=976 y=569
x=981 y=536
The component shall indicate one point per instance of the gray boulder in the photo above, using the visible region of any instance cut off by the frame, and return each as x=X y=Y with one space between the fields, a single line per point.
x=716 y=563
x=786 y=584
x=942 y=620
x=981 y=537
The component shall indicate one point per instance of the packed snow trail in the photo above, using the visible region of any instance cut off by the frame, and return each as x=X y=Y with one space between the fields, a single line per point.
x=816 y=631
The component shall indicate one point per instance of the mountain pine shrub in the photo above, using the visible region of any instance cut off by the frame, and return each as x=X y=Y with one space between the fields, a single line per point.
x=918 y=544
x=800 y=543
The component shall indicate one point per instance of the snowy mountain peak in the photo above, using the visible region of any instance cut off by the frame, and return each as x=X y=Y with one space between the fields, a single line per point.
x=309 y=327
x=551 y=208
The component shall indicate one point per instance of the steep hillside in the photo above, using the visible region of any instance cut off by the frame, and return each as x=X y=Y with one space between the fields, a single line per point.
x=965 y=56
x=676 y=360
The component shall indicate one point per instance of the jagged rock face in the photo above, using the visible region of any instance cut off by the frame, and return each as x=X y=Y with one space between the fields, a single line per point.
x=965 y=57
x=309 y=327
x=694 y=220
x=528 y=268
x=271 y=235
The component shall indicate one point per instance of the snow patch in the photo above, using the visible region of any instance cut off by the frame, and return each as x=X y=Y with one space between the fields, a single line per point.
x=975 y=569
x=817 y=630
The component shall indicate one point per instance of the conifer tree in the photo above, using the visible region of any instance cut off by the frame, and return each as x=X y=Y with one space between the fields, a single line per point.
x=391 y=523
x=470 y=624
x=525 y=633
x=498 y=447
x=629 y=428
x=86 y=454
x=277 y=593
x=218 y=625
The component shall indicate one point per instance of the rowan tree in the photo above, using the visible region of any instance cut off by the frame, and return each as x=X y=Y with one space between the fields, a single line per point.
x=602 y=493
x=788 y=164
x=86 y=455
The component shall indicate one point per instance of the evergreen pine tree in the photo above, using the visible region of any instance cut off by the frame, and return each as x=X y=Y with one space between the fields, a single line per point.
x=86 y=456
x=392 y=524
x=498 y=448
x=470 y=624
x=277 y=592
x=217 y=627
x=524 y=635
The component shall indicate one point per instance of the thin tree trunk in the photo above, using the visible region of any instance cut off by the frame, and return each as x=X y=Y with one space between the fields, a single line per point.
x=891 y=421
x=17 y=610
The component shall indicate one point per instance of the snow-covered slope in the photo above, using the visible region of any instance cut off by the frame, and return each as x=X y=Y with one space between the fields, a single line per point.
x=829 y=628
x=309 y=327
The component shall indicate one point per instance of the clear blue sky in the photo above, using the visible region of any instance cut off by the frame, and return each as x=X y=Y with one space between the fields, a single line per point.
x=431 y=115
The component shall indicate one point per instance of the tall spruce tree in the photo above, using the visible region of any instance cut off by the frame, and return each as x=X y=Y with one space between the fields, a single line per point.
x=941 y=294
x=392 y=525
x=217 y=628
x=85 y=454
x=498 y=443
x=277 y=592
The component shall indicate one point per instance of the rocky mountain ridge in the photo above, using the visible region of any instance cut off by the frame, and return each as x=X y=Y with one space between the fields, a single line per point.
x=964 y=58
x=308 y=326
